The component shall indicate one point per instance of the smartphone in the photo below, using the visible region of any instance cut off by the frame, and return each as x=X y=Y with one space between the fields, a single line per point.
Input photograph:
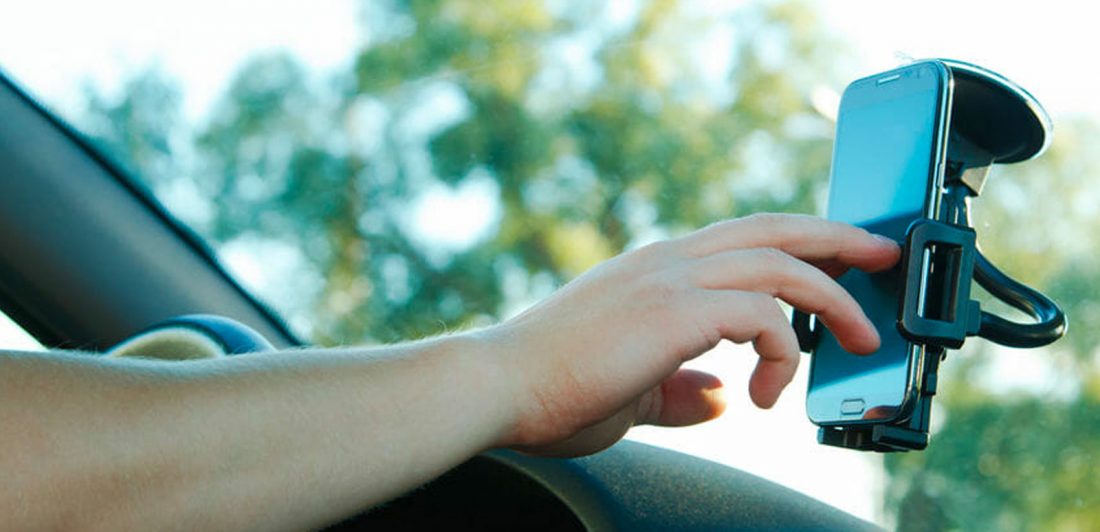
x=887 y=172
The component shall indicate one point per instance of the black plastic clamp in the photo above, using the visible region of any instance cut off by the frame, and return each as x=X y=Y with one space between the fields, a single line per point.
x=936 y=307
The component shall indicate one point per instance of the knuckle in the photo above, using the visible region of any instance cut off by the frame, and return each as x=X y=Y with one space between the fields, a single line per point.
x=781 y=267
x=764 y=218
x=832 y=290
x=763 y=305
x=639 y=262
x=774 y=319
x=717 y=225
x=696 y=244
x=658 y=250
x=777 y=220
x=769 y=256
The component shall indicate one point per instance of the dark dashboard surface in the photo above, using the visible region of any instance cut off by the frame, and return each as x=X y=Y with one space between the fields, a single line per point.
x=631 y=486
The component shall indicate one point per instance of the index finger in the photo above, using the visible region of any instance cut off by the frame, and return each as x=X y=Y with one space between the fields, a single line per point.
x=809 y=238
x=799 y=284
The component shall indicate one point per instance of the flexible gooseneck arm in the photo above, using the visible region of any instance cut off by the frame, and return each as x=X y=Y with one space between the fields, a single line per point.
x=1051 y=322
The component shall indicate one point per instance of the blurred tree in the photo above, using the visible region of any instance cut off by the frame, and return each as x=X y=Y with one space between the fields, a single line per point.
x=142 y=127
x=577 y=130
x=475 y=93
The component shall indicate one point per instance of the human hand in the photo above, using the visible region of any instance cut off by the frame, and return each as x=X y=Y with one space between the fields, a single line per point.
x=604 y=353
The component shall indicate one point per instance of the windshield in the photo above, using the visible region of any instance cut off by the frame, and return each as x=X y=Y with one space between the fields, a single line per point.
x=385 y=171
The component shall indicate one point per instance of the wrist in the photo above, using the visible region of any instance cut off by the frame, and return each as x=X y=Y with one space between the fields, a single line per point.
x=480 y=357
x=515 y=370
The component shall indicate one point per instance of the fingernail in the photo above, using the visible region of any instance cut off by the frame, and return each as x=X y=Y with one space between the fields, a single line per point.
x=885 y=240
x=875 y=334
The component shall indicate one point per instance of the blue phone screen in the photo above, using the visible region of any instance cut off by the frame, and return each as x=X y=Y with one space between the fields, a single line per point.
x=884 y=161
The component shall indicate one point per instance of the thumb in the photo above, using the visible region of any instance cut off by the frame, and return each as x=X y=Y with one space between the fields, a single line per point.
x=685 y=398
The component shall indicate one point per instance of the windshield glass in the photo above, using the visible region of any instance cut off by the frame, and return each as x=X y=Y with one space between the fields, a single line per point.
x=385 y=171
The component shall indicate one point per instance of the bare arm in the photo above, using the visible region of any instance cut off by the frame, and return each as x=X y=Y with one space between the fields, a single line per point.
x=299 y=439
x=271 y=441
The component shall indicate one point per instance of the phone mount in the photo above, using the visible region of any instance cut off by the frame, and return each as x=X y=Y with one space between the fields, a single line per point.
x=993 y=121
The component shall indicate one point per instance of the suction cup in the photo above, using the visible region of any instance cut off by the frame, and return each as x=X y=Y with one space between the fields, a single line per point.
x=995 y=115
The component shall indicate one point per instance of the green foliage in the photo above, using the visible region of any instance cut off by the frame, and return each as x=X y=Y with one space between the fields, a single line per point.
x=1005 y=463
x=140 y=127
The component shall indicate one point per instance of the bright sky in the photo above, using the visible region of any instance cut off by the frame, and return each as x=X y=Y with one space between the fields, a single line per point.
x=55 y=46
x=1047 y=47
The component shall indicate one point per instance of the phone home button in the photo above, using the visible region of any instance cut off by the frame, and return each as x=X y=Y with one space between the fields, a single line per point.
x=852 y=406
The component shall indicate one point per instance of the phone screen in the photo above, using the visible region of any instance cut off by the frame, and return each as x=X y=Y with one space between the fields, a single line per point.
x=889 y=142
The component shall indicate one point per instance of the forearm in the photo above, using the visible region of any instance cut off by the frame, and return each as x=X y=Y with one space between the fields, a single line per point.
x=287 y=440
